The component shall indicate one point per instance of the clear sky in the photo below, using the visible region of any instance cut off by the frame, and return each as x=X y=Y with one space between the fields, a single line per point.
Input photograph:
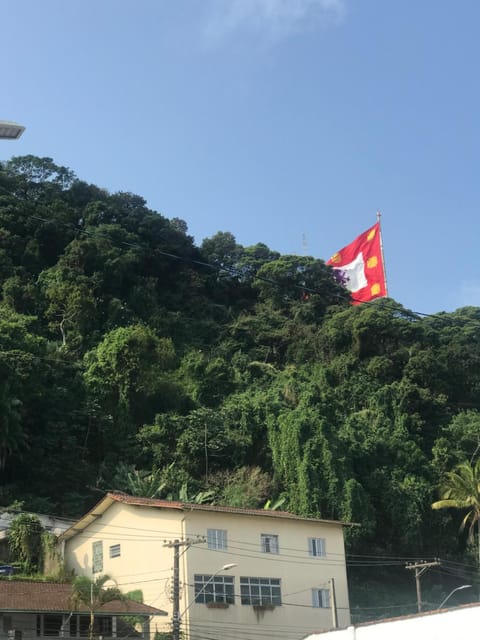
x=288 y=122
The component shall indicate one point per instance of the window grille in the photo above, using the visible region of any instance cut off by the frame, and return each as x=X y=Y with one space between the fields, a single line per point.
x=321 y=598
x=217 y=539
x=97 y=556
x=210 y=588
x=260 y=591
x=317 y=547
x=269 y=543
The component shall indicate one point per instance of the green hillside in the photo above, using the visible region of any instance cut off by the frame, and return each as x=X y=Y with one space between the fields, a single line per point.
x=131 y=359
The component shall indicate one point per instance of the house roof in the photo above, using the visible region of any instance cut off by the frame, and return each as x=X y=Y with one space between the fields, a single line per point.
x=54 y=597
x=54 y=524
x=155 y=503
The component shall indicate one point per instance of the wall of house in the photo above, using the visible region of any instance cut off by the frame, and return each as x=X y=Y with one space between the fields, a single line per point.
x=143 y=563
x=30 y=626
x=24 y=623
x=297 y=570
x=447 y=625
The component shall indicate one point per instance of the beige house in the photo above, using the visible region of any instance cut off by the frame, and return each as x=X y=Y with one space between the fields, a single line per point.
x=241 y=572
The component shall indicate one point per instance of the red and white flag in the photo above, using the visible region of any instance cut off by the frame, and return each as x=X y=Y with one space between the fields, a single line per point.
x=360 y=266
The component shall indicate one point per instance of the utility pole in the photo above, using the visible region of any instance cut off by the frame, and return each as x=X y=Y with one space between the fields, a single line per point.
x=420 y=568
x=176 y=544
x=333 y=603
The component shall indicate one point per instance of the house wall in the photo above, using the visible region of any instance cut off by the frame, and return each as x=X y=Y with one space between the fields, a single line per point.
x=24 y=622
x=24 y=626
x=298 y=571
x=447 y=625
x=144 y=563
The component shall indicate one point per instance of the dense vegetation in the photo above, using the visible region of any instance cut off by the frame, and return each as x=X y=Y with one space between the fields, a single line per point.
x=131 y=359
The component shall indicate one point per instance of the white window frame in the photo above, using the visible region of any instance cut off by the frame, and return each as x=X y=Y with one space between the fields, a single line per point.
x=269 y=543
x=217 y=539
x=317 y=547
x=97 y=556
x=260 y=591
x=321 y=598
x=115 y=551
x=211 y=588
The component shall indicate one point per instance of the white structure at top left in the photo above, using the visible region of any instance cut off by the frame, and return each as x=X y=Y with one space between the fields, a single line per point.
x=10 y=130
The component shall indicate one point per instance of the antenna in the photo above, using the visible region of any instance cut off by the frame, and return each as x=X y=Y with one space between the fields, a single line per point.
x=304 y=244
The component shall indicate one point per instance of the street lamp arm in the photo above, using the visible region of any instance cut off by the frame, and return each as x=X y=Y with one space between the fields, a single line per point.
x=226 y=567
x=463 y=586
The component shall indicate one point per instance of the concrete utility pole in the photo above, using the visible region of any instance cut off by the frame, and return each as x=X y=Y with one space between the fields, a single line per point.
x=176 y=544
x=333 y=603
x=420 y=568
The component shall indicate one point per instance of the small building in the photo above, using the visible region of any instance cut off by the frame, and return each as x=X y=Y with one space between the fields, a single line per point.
x=241 y=572
x=37 y=610
x=443 y=624
x=51 y=524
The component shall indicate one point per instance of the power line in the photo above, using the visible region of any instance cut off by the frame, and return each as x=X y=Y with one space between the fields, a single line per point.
x=159 y=535
x=244 y=549
x=224 y=268
x=187 y=259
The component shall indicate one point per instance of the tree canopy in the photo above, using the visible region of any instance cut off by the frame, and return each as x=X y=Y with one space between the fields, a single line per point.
x=220 y=370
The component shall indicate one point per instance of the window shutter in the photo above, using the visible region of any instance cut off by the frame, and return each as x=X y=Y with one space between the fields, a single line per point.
x=317 y=547
x=97 y=556
x=326 y=598
x=321 y=551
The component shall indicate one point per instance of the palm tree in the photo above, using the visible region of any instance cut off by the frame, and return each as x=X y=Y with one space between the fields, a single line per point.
x=274 y=505
x=93 y=594
x=461 y=490
x=145 y=484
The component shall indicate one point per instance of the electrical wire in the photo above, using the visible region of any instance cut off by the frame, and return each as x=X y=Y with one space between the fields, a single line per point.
x=367 y=561
x=244 y=550
x=144 y=534
x=231 y=270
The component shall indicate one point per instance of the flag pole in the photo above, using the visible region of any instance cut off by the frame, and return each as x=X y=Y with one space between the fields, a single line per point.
x=379 y=215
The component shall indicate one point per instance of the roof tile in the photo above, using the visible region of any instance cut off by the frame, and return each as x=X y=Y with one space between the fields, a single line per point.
x=22 y=595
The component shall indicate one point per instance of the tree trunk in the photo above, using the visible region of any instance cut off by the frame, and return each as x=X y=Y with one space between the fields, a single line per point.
x=90 y=628
x=478 y=535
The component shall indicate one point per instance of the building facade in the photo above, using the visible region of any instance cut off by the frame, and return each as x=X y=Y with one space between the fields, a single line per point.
x=241 y=572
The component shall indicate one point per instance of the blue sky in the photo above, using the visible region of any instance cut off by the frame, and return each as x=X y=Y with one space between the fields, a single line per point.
x=288 y=122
